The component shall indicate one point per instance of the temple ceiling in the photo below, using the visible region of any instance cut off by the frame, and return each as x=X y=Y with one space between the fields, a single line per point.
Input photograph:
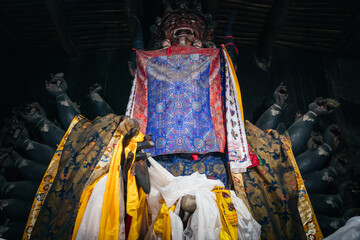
x=329 y=27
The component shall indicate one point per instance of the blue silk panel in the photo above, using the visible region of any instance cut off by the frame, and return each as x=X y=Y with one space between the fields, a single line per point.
x=179 y=116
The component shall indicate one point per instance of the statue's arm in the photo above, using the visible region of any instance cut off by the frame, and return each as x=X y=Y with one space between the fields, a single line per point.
x=35 y=115
x=300 y=130
x=271 y=117
x=67 y=110
x=98 y=105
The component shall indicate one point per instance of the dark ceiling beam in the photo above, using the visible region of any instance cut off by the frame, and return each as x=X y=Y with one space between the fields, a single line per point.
x=350 y=38
x=56 y=12
x=276 y=19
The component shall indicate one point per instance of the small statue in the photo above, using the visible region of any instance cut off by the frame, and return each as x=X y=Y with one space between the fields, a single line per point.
x=98 y=105
x=300 y=130
x=350 y=231
x=29 y=170
x=35 y=115
x=12 y=229
x=15 y=209
x=325 y=180
x=24 y=190
x=334 y=205
x=271 y=117
x=314 y=159
x=58 y=87
x=38 y=152
x=329 y=225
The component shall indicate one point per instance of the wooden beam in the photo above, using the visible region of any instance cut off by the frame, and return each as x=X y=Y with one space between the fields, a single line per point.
x=276 y=19
x=58 y=18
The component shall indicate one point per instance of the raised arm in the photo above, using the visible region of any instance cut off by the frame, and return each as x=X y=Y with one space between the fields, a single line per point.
x=271 y=117
x=300 y=130
x=35 y=115
x=67 y=110
x=99 y=106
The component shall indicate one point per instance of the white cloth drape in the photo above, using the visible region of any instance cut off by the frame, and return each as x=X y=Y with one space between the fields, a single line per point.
x=205 y=222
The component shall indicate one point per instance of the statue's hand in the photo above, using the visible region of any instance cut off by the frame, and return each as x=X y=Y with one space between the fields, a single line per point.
x=281 y=95
x=188 y=205
x=314 y=142
x=18 y=135
x=126 y=125
x=5 y=159
x=141 y=164
x=56 y=85
x=96 y=88
x=341 y=163
x=32 y=113
x=332 y=135
x=320 y=107
x=131 y=128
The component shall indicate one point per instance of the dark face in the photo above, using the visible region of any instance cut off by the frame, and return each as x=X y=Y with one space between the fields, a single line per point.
x=186 y=27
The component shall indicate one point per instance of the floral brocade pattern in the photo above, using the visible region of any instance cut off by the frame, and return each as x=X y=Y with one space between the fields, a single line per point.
x=177 y=97
x=47 y=181
x=271 y=188
x=179 y=117
x=82 y=151
x=213 y=165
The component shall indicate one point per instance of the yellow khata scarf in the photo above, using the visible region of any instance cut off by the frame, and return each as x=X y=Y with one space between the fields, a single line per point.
x=162 y=225
x=135 y=201
x=228 y=215
x=109 y=223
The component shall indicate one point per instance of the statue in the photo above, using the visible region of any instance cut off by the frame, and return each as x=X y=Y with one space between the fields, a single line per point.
x=193 y=124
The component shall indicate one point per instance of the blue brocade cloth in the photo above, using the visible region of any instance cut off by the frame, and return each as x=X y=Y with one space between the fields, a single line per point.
x=179 y=104
x=213 y=165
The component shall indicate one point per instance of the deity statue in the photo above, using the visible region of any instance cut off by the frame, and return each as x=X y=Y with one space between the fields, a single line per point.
x=211 y=174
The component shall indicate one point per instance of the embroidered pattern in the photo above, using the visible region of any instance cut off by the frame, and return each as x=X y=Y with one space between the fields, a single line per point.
x=179 y=116
x=177 y=97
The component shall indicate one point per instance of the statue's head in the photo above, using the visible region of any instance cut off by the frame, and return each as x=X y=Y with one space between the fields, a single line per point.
x=184 y=24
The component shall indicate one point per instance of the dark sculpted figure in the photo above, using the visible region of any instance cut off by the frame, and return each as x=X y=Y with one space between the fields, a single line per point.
x=183 y=25
x=28 y=169
x=300 y=131
x=314 y=159
x=99 y=106
x=271 y=187
x=35 y=115
x=271 y=117
x=18 y=137
x=67 y=110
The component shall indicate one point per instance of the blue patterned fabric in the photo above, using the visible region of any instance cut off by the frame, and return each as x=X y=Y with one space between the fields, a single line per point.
x=178 y=105
x=213 y=165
